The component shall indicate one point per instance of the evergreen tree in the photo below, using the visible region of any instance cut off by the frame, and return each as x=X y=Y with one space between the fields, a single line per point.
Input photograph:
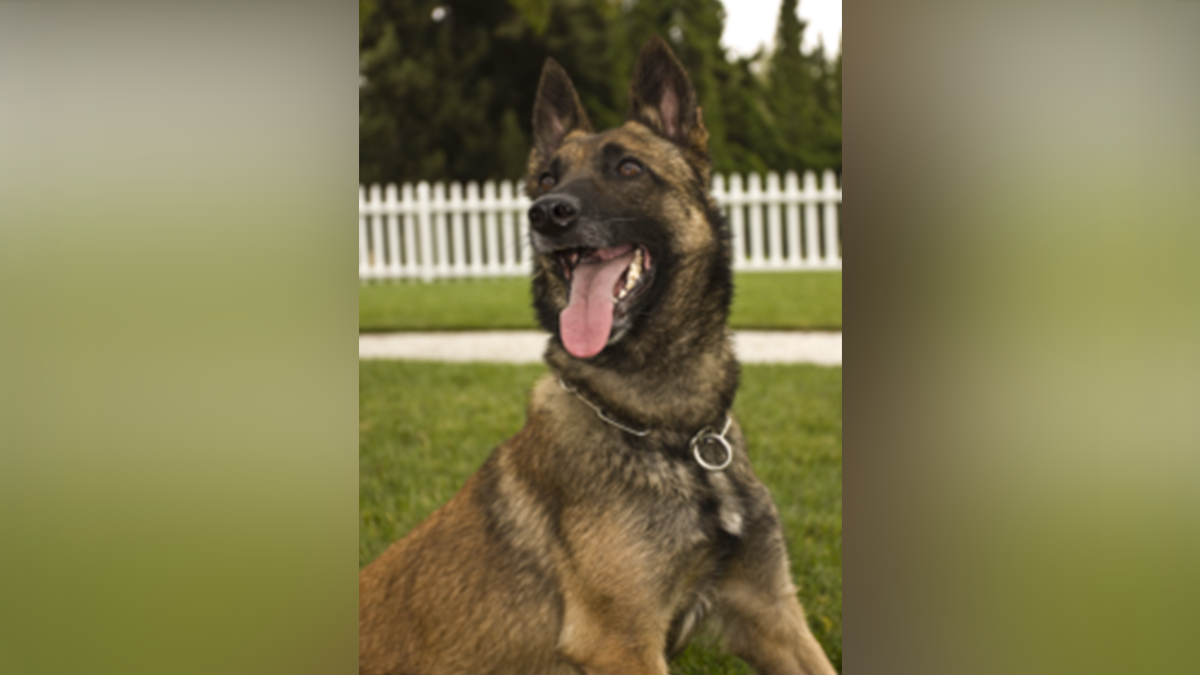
x=420 y=69
x=790 y=93
x=827 y=139
x=449 y=84
x=749 y=133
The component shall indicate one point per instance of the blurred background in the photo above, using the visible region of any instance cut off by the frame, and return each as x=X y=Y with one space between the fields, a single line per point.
x=447 y=87
x=179 y=416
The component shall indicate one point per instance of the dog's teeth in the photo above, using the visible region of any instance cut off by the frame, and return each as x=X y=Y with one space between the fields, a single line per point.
x=635 y=270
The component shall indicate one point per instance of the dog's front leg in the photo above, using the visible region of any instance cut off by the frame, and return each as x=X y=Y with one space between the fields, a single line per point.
x=763 y=622
x=610 y=636
x=771 y=635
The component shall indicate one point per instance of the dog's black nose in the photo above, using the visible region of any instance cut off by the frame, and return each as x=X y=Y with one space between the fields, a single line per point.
x=551 y=214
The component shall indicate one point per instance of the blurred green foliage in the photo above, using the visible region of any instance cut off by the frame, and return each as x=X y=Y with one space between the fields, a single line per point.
x=448 y=85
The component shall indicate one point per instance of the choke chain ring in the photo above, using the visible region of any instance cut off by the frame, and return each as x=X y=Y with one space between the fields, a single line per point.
x=707 y=434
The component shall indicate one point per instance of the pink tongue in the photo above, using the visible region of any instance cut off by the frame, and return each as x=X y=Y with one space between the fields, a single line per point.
x=587 y=321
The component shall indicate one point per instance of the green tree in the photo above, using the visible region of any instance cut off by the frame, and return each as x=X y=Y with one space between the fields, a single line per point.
x=790 y=92
x=832 y=138
x=448 y=85
x=749 y=133
x=804 y=96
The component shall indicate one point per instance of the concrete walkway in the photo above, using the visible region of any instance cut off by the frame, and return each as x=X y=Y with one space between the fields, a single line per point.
x=527 y=346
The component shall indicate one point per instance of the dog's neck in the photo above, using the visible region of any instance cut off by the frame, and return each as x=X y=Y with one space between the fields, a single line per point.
x=688 y=380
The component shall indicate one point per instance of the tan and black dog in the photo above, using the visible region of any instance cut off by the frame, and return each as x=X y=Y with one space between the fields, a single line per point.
x=624 y=517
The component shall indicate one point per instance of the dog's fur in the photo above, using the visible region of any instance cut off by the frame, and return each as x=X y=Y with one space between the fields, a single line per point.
x=579 y=547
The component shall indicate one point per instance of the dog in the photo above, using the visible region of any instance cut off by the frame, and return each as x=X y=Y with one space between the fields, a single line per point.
x=624 y=517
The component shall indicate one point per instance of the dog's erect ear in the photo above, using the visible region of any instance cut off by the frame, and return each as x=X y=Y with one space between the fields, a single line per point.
x=557 y=111
x=662 y=98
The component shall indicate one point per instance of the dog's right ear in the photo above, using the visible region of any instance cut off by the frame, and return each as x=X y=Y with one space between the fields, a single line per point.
x=662 y=98
x=556 y=112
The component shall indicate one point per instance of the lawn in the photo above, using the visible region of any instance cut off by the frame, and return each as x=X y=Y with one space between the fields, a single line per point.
x=425 y=427
x=773 y=301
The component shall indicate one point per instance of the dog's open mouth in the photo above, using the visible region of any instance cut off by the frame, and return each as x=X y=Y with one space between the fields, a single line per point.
x=605 y=283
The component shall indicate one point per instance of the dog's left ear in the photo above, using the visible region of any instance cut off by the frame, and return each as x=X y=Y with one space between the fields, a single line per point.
x=661 y=97
x=556 y=112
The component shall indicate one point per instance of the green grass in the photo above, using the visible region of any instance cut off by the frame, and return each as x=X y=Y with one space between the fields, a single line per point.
x=446 y=305
x=775 y=300
x=792 y=300
x=425 y=427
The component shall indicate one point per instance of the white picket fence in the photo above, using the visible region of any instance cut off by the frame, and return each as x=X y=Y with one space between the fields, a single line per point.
x=431 y=232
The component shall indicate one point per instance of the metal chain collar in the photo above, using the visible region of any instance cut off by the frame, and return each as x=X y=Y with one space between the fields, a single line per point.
x=705 y=435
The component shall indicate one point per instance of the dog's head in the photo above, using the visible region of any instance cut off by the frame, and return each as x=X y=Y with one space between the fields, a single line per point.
x=629 y=247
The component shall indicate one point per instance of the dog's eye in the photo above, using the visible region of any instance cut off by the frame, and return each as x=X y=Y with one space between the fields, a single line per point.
x=546 y=182
x=629 y=168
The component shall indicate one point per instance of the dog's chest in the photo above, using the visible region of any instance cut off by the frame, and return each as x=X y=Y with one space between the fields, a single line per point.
x=688 y=499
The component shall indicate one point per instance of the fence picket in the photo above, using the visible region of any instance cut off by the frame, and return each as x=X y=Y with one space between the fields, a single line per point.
x=444 y=231
x=458 y=231
x=754 y=201
x=425 y=231
x=492 y=266
x=831 y=196
x=791 y=197
x=363 y=248
x=439 y=264
x=374 y=264
x=812 y=239
x=408 y=208
x=736 y=209
x=392 y=229
x=506 y=227
x=774 y=226
x=475 y=267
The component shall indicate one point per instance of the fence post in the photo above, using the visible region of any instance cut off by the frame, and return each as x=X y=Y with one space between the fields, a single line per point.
x=457 y=231
x=735 y=220
x=391 y=210
x=490 y=227
x=363 y=252
x=812 y=238
x=791 y=195
x=754 y=204
x=375 y=264
x=424 y=213
x=475 y=267
x=441 y=254
x=774 y=224
x=832 y=196
x=408 y=205
x=506 y=226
